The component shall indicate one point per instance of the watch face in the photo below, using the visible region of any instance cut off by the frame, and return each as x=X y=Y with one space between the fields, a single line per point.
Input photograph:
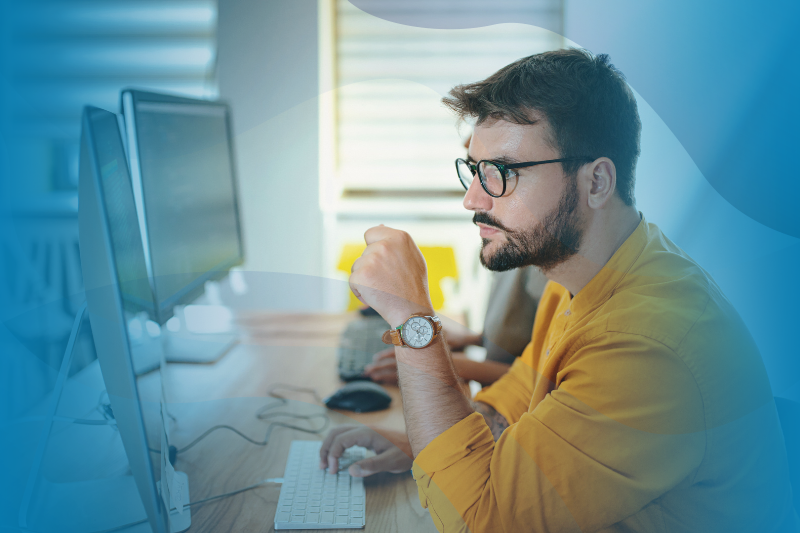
x=417 y=332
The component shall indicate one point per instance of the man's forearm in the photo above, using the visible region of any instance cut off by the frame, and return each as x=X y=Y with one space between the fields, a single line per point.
x=496 y=422
x=484 y=372
x=433 y=400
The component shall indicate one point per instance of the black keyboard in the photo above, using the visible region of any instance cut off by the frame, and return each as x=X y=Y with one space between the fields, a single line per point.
x=359 y=342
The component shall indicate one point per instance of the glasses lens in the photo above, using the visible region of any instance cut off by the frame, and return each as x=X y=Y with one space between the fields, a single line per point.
x=492 y=178
x=464 y=173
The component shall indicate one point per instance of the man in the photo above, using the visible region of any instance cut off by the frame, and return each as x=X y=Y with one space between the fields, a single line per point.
x=641 y=403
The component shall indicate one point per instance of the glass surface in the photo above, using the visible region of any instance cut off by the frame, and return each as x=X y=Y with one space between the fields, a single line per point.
x=492 y=177
x=464 y=173
x=188 y=192
x=417 y=332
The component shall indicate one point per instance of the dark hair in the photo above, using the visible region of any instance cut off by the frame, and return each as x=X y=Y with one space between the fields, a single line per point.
x=590 y=109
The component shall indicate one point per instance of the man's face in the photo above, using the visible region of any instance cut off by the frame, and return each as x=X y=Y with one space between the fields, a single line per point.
x=537 y=221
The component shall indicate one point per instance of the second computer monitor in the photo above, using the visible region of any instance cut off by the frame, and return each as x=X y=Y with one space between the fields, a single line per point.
x=182 y=164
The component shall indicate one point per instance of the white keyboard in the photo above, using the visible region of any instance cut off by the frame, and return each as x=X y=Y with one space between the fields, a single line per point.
x=312 y=498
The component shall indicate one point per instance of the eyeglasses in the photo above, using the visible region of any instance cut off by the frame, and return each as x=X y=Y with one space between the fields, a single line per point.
x=493 y=175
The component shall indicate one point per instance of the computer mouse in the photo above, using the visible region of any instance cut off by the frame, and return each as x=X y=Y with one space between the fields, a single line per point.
x=359 y=397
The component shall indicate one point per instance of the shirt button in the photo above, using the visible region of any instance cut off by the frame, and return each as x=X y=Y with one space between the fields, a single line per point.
x=567 y=312
x=547 y=352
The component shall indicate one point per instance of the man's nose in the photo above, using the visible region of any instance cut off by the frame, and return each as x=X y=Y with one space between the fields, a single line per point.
x=476 y=198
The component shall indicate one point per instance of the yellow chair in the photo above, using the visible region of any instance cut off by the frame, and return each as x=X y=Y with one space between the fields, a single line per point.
x=441 y=262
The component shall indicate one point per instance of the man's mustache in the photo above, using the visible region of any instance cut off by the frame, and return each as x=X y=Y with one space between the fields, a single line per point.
x=485 y=219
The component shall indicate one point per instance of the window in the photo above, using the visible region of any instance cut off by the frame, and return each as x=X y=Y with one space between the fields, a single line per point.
x=387 y=130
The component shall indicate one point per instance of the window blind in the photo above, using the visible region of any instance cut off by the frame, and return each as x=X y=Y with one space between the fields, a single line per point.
x=392 y=132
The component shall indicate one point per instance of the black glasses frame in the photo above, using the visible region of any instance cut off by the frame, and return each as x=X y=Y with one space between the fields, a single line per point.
x=476 y=168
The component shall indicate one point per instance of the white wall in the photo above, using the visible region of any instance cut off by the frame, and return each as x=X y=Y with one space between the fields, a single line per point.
x=268 y=71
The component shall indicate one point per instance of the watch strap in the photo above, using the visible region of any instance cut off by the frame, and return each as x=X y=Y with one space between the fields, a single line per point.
x=393 y=336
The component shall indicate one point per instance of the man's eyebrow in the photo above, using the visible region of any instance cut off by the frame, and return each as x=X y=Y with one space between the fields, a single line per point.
x=503 y=159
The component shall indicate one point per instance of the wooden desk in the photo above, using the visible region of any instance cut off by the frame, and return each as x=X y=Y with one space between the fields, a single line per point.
x=298 y=350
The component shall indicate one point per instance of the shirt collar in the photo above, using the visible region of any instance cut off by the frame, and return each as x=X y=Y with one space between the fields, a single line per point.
x=602 y=286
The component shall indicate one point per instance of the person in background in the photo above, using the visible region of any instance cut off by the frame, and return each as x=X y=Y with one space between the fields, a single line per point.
x=507 y=329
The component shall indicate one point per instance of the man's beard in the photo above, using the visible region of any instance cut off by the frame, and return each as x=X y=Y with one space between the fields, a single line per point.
x=551 y=242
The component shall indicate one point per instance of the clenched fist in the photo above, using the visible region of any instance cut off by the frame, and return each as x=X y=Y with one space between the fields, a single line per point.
x=391 y=275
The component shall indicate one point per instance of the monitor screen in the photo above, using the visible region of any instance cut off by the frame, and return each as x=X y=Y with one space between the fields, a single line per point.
x=181 y=150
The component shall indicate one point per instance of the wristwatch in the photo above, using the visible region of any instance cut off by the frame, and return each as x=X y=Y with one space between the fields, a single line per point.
x=418 y=331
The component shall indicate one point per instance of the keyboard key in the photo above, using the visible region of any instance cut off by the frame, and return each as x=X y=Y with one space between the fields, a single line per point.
x=341 y=520
x=312 y=518
x=283 y=517
x=326 y=518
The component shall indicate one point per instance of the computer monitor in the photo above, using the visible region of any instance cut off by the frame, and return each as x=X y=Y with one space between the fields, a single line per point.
x=184 y=179
x=115 y=277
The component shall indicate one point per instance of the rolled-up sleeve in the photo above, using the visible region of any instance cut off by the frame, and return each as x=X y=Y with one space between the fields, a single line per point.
x=622 y=429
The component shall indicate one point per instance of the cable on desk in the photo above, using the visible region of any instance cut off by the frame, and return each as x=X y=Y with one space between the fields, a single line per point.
x=270 y=428
x=283 y=400
x=227 y=494
x=264 y=414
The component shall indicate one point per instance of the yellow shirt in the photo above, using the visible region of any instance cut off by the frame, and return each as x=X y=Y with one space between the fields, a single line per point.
x=641 y=404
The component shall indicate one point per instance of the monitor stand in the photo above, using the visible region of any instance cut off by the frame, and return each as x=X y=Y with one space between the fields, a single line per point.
x=184 y=346
x=178 y=345
x=91 y=505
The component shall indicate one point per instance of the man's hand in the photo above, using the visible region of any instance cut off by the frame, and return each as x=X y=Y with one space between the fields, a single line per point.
x=458 y=337
x=389 y=456
x=383 y=368
x=391 y=275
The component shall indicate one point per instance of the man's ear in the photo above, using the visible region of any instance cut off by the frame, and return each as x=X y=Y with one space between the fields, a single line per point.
x=601 y=175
